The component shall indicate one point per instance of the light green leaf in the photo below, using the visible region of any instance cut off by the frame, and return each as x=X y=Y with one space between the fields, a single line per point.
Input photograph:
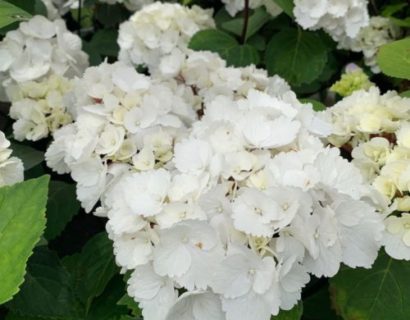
x=294 y=314
x=296 y=55
x=61 y=207
x=22 y=221
x=317 y=105
x=93 y=268
x=213 y=40
x=256 y=21
x=48 y=289
x=30 y=156
x=394 y=59
x=286 y=5
x=9 y=13
x=405 y=94
x=379 y=293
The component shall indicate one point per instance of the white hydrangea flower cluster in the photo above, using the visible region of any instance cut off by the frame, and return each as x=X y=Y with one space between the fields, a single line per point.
x=160 y=32
x=122 y=118
x=40 y=47
x=235 y=6
x=214 y=179
x=377 y=129
x=39 y=107
x=248 y=206
x=379 y=32
x=11 y=168
x=339 y=18
x=37 y=62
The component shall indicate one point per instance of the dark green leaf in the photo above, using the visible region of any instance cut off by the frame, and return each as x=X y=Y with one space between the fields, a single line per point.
x=61 y=207
x=48 y=289
x=129 y=302
x=294 y=314
x=379 y=293
x=15 y=316
x=104 y=42
x=391 y=9
x=258 y=42
x=242 y=56
x=30 y=156
x=394 y=59
x=22 y=221
x=111 y=15
x=213 y=40
x=106 y=306
x=222 y=16
x=318 y=307
x=404 y=23
x=256 y=21
x=296 y=55
x=93 y=268
x=10 y=13
x=287 y=6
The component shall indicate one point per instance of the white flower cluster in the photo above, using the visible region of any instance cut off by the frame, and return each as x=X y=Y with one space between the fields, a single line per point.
x=37 y=62
x=215 y=182
x=339 y=18
x=377 y=127
x=119 y=113
x=40 y=47
x=11 y=168
x=39 y=107
x=214 y=179
x=160 y=32
x=234 y=6
x=379 y=32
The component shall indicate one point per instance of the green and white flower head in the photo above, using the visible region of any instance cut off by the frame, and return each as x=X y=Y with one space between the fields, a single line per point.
x=352 y=80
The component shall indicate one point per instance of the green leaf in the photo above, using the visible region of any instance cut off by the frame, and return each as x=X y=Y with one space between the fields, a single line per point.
x=256 y=21
x=48 y=289
x=317 y=306
x=93 y=268
x=130 y=303
x=33 y=7
x=106 y=306
x=258 y=42
x=111 y=15
x=105 y=42
x=9 y=13
x=287 y=6
x=296 y=55
x=213 y=40
x=317 y=105
x=61 y=207
x=394 y=59
x=15 y=316
x=294 y=314
x=391 y=9
x=379 y=293
x=30 y=156
x=405 y=94
x=242 y=56
x=404 y=23
x=22 y=221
